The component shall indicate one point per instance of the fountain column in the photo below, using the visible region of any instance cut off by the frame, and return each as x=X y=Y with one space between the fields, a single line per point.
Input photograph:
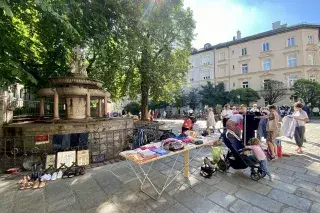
x=100 y=108
x=88 y=106
x=41 y=108
x=105 y=106
x=55 y=105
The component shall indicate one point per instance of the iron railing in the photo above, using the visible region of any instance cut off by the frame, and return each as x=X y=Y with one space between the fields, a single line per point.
x=23 y=151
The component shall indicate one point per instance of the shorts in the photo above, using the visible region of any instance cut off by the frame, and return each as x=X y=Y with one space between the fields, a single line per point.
x=271 y=136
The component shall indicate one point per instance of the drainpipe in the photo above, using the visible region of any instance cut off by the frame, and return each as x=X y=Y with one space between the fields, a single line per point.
x=229 y=67
x=214 y=66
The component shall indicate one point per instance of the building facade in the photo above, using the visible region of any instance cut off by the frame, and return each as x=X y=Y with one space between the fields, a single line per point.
x=284 y=54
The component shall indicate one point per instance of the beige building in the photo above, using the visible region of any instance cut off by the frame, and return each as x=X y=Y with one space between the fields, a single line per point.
x=284 y=53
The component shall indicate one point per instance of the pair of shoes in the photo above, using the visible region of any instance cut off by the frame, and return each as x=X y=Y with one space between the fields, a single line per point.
x=271 y=177
x=39 y=184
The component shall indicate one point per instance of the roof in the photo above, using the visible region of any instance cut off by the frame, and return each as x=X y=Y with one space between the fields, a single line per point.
x=261 y=35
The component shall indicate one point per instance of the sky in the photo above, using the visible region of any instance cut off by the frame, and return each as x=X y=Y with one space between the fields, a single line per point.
x=217 y=21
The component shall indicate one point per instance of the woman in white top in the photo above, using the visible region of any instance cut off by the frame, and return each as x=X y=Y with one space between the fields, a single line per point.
x=211 y=122
x=226 y=114
x=301 y=117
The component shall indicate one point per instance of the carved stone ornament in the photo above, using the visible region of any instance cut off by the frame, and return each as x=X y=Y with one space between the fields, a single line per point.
x=77 y=65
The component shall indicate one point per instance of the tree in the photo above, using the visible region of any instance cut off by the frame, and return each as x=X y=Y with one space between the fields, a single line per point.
x=273 y=91
x=246 y=95
x=133 y=108
x=181 y=99
x=308 y=91
x=212 y=95
x=193 y=99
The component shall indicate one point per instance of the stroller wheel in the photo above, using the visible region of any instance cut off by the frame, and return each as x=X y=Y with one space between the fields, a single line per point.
x=262 y=173
x=222 y=166
x=255 y=176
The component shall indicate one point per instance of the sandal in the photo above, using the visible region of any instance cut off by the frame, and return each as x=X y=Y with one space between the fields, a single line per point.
x=42 y=184
x=36 y=184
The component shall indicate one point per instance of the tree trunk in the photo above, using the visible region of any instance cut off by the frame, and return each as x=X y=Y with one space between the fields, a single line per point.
x=144 y=100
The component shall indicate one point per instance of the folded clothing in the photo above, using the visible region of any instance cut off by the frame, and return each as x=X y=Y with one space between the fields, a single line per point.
x=146 y=153
x=160 y=151
x=147 y=147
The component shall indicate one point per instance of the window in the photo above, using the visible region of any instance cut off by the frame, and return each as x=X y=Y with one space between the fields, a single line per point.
x=206 y=60
x=291 y=80
x=291 y=42
x=313 y=78
x=265 y=47
x=265 y=83
x=232 y=67
x=311 y=59
x=244 y=51
x=244 y=68
x=222 y=56
x=191 y=79
x=292 y=61
x=310 y=39
x=21 y=93
x=192 y=64
x=245 y=84
x=234 y=84
x=205 y=75
x=267 y=64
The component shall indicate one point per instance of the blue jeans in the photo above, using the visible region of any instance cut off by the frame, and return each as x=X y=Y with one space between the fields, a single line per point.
x=264 y=166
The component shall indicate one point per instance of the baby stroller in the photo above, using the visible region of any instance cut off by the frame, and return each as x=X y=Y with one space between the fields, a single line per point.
x=237 y=160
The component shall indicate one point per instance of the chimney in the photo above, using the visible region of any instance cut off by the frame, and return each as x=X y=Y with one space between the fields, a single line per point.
x=276 y=25
x=234 y=38
x=238 y=35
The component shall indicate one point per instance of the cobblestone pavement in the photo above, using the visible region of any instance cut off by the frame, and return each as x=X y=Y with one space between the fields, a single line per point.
x=114 y=188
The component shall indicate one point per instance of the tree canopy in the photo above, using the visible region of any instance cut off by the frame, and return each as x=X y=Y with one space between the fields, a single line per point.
x=137 y=47
x=244 y=95
x=212 y=95
x=273 y=91
x=308 y=91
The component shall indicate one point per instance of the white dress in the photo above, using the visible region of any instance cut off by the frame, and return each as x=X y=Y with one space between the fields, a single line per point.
x=210 y=120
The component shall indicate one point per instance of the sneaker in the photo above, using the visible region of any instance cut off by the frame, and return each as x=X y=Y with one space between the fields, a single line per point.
x=271 y=177
x=59 y=175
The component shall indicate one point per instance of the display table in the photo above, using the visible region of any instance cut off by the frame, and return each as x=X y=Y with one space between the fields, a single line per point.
x=207 y=141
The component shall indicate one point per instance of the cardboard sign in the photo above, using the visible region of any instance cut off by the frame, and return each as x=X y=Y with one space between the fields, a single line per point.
x=41 y=139
x=83 y=157
x=67 y=157
x=50 y=161
x=98 y=158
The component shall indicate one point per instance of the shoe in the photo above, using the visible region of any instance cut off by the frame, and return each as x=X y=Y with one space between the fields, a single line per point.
x=271 y=177
x=54 y=176
x=36 y=184
x=59 y=174
x=42 y=184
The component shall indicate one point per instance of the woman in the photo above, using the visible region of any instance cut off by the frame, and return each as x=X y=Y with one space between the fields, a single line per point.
x=272 y=129
x=234 y=124
x=234 y=110
x=211 y=122
x=226 y=114
x=301 y=117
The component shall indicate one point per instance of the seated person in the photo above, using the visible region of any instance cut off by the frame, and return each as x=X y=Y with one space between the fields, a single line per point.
x=188 y=124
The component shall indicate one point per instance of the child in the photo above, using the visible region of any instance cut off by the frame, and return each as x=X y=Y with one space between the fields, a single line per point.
x=260 y=155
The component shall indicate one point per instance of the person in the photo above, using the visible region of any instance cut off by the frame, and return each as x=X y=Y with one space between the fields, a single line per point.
x=272 y=128
x=260 y=156
x=301 y=117
x=188 y=124
x=235 y=124
x=254 y=108
x=164 y=114
x=307 y=110
x=234 y=110
x=211 y=122
x=226 y=114
x=156 y=114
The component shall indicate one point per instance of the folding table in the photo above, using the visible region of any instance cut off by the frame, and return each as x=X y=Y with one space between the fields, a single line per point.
x=176 y=154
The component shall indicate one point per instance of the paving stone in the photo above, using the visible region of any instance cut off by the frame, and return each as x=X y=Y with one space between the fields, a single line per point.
x=244 y=207
x=259 y=200
x=282 y=171
x=6 y=207
x=8 y=196
x=304 y=184
x=317 y=188
x=195 y=203
x=296 y=163
x=284 y=178
x=61 y=204
x=106 y=208
x=218 y=209
x=56 y=191
x=68 y=209
x=257 y=187
x=290 y=199
x=288 y=167
x=292 y=210
x=204 y=189
x=177 y=208
x=308 y=194
x=221 y=198
x=227 y=187
x=130 y=202
x=279 y=185
x=162 y=203
x=315 y=208
x=309 y=178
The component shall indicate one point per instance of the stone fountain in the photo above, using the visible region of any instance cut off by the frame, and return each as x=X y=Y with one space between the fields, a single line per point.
x=77 y=90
